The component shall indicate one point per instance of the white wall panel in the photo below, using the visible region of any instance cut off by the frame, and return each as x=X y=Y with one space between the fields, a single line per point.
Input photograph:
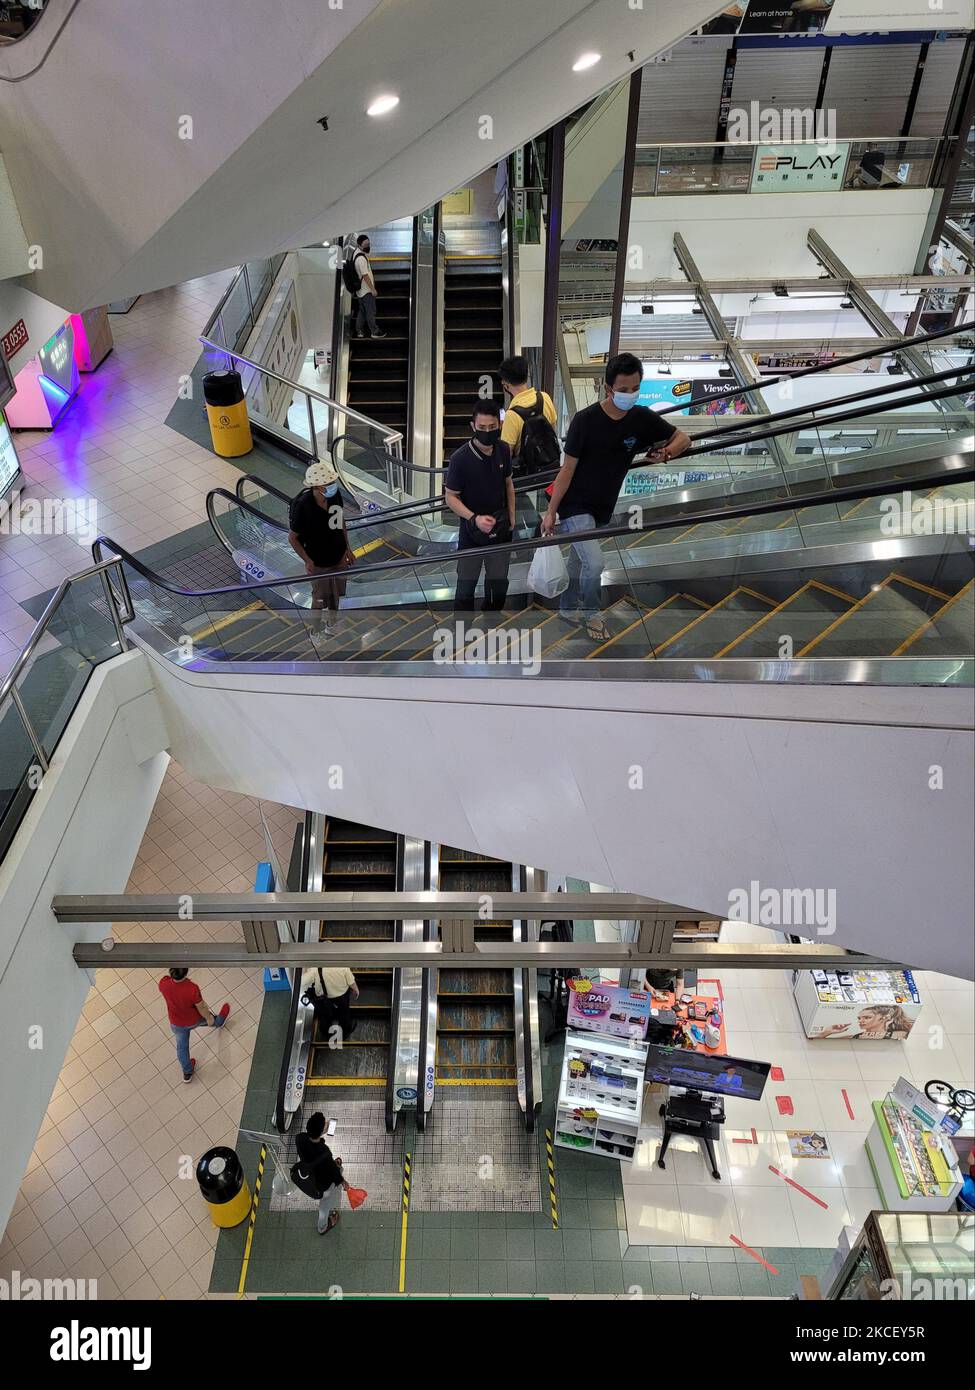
x=794 y=787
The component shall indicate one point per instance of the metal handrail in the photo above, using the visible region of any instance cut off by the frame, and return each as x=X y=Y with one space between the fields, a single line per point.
x=598 y=533
x=823 y=140
x=53 y=604
x=393 y=438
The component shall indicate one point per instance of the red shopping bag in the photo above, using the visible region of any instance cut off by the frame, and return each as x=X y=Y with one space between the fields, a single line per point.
x=356 y=1196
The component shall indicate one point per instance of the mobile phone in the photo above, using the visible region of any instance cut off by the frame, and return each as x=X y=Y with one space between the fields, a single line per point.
x=331 y=1127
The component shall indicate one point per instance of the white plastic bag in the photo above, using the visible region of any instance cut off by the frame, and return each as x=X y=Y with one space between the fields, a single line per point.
x=548 y=575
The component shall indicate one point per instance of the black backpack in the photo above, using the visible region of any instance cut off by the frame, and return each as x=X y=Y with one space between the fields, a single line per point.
x=540 y=448
x=350 y=276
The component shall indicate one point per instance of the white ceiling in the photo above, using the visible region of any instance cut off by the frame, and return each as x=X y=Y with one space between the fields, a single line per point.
x=124 y=208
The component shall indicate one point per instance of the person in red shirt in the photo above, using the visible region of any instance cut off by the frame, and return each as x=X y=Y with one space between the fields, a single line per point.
x=187 y=1010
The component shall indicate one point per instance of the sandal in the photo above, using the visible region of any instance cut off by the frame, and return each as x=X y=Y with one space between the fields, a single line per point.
x=333 y=1221
x=596 y=630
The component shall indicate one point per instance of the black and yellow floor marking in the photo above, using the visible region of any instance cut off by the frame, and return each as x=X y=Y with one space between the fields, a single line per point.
x=550 y=1165
x=251 y=1221
x=407 y=1173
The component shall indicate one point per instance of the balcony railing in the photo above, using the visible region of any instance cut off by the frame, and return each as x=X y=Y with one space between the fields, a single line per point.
x=790 y=167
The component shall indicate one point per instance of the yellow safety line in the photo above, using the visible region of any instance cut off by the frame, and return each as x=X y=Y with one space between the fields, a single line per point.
x=550 y=1161
x=742 y=589
x=346 y=1081
x=230 y=618
x=810 y=584
x=932 y=620
x=843 y=616
x=473 y=1081
x=407 y=1164
x=373 y=545
x=925 y=588
x=252 y=1220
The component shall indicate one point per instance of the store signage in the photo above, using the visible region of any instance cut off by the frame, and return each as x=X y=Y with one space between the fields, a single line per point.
x=809 y=168
x=14 y=339
x=660 y=391
x=9 y=463
x=915 y=1102
x=622 y=1013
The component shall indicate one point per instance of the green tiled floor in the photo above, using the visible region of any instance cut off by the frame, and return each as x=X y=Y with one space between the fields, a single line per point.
x=480 y=1253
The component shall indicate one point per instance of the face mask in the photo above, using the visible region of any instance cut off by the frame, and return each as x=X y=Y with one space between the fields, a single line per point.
x=625 y=400
x=331 y=489
x=487 y=436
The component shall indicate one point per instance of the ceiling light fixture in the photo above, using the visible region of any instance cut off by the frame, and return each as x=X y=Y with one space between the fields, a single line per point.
x=382 y=105
x=586 y=61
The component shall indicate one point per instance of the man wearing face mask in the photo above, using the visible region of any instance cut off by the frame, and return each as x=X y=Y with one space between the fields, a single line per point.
x=479 y=489
x=319 y=538
x=366 y=294
x=599 y=452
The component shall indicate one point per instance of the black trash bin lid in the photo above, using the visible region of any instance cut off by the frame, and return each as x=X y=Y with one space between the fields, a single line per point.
x=222 y=388
x=220 y=1175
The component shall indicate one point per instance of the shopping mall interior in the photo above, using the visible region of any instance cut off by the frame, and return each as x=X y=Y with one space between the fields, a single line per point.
x=487 y=620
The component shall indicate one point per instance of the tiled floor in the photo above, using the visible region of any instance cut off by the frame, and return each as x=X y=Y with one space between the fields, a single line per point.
x=109 y=1194
x=112 y=446
x=825 y=1082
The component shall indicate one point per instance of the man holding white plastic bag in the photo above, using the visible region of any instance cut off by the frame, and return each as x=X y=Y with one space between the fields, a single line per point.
x=599 y=451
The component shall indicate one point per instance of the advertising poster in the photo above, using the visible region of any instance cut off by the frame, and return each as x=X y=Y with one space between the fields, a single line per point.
x=805 y=1145
x=865 y=1022
x=9 y=463
x=808 y=168
x=660 y=391
x=703 y=390
x=621 y=1013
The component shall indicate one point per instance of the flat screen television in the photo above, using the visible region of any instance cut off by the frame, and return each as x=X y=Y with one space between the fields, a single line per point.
x=699 y=1071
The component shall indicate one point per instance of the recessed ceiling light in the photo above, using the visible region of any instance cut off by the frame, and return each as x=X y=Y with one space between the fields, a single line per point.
x=588 y=60
x=381 y=105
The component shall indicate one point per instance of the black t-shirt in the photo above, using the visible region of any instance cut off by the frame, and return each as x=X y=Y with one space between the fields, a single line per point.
x=317 y=1160
x=320 y=529
x=605 y=450
x=481 y=481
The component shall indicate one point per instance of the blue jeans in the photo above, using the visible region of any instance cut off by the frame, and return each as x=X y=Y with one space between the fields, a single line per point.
x=585 y=565
x=183 y=1039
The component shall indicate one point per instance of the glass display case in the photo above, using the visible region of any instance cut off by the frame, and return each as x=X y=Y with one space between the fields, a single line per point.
x=909 y=1255
x=913 y=1161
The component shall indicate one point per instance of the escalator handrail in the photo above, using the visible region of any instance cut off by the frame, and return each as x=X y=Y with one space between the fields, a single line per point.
x=742 y=509
x=599 y=533
x=395 y=1004
x=266 y=487
x=727 y=437
x=829 y=366
x=279 y=1119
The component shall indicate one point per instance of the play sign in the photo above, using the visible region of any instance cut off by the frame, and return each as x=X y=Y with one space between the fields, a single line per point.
x=807 y=168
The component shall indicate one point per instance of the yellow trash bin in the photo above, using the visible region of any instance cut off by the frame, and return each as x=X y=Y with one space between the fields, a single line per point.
x=230 y=428
x=220 y=1175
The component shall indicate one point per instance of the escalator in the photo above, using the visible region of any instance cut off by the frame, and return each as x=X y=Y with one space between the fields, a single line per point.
x=487 y=1031
x=378 y=381
x=473 y=340
x=359 y=859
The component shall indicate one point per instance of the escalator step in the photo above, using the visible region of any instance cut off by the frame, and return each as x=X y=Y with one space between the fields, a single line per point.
x=719 y=625
x=883 y=620
x=802 y=617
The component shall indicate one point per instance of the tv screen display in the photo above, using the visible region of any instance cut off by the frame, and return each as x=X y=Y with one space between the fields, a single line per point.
x=698 y=1071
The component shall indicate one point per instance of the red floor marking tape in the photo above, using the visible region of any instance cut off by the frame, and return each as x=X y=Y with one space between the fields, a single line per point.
x=846 y=1102
x=785 y=1105
x=777 y=1074
x=754 y=1254
x=752 y=1140
x=713 y=982
x=812 y=1198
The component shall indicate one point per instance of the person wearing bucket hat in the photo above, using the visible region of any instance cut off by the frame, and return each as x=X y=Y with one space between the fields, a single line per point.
x=320 y=538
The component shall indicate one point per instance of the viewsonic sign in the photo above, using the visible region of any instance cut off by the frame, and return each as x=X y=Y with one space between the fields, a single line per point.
x=808 y=168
